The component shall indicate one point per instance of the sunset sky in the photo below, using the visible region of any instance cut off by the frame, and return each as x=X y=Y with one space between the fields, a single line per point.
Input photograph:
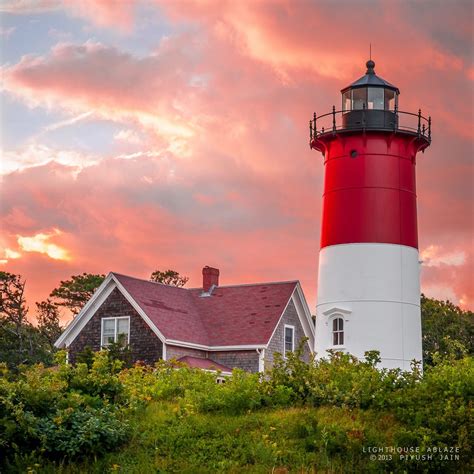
x=143 y=135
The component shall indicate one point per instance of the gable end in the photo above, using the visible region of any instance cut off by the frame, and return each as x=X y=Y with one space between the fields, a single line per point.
x=144 y=344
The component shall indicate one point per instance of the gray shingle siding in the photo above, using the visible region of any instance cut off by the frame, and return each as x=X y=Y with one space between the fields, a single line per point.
x=144 y=343
x=175 y=352
x=245 y=360
x=276 y=343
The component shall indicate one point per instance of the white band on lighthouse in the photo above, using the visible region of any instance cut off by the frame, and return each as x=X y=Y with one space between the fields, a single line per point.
x=374 y=289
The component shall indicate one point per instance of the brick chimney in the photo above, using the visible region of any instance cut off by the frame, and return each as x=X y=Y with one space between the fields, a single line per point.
x=210 y=276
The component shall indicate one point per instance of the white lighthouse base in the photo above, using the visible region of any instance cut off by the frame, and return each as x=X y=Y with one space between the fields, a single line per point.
x=375 y=289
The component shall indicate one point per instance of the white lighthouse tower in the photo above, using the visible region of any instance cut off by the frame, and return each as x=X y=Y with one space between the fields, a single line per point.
x=369 y=289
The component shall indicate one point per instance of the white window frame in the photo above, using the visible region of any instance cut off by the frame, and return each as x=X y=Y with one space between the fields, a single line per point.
x=115 y=318
x=289 y=326
x=344 y=335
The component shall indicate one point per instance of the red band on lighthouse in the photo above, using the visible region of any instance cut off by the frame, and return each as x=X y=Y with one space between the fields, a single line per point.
x=369 y=190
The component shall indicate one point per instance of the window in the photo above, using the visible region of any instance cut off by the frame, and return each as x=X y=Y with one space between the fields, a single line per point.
x=337 y=332
x=289 y=339
x=375 y=98
x=359 y=98
x=113 y=328
x=346 y=100
x=389 y=103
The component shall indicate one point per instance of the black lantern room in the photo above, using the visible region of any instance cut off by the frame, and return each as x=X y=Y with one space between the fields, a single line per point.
x=370 y=102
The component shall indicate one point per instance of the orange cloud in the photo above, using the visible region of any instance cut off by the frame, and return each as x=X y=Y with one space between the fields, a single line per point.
x=40 y=243
x=433 y=256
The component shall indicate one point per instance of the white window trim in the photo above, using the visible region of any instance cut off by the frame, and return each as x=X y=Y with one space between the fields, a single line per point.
x=115 y=318
x=344 y=320
x=292 y=339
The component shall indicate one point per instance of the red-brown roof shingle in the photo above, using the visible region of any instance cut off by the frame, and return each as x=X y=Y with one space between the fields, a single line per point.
x=207 y=364
x=231 y=316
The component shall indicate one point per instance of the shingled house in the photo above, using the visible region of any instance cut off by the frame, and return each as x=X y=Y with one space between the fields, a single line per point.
x=213 y=327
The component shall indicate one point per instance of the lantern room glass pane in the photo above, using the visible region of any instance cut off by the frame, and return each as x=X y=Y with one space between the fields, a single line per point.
x=389 y=103
x=375 y=98
x=359 y=98
x=346 y=101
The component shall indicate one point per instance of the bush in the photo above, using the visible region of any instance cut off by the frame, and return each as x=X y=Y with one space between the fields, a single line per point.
x=62 y=411
x=70 y=411
x=241 y=392
x=91 y=431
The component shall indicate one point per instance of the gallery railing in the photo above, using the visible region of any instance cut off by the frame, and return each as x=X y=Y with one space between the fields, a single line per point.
x=370 y=119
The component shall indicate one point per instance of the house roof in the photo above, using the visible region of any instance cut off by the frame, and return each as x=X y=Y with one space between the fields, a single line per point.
x=206 y=364
x=231 y=316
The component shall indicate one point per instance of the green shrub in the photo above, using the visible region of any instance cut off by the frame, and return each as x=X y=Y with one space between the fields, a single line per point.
x=241 y=392
x=70 y=411
x=91 y=431
x=62 y=411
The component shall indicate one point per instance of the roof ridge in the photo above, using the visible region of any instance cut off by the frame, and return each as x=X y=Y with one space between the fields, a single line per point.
x=250 y=284
x=148 y=281
x=200 y=288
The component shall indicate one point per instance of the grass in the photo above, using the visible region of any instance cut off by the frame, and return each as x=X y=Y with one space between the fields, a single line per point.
x=300 y=440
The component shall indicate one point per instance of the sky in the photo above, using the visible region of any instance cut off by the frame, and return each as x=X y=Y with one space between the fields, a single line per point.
x=144 y=135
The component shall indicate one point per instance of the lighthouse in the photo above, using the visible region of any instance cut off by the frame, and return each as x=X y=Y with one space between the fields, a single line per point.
x=369 y=269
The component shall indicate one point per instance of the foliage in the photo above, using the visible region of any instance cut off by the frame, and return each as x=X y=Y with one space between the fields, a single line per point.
x=177 y=419
x=15 y=327
x=121 y=351
x=169 y=277
x=73 y=294
x=86 y=356
x=62 y=411
x=443 y=323
x=20 y=341
x=47 y=315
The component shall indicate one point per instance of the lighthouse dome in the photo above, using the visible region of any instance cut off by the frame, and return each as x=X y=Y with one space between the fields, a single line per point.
x=371 y=79
x=370 y=101
x=369 y=104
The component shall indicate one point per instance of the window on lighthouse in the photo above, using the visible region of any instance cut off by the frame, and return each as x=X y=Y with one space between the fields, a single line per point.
x=390 y=99
x=338 y=332
x=359 y=99
x=375 y=98
x=347 y=100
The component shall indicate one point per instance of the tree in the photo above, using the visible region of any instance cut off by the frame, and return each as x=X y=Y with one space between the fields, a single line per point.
x=445 y=327
x=13 y=315
x=73 y=294
x=20 y=341
x=47 y=315
x=169 y=277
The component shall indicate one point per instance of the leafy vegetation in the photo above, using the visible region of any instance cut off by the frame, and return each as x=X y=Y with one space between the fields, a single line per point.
x=444 y=326
x=171 y=418
x=169 y=277
x=20 y=341
x=73 y=294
